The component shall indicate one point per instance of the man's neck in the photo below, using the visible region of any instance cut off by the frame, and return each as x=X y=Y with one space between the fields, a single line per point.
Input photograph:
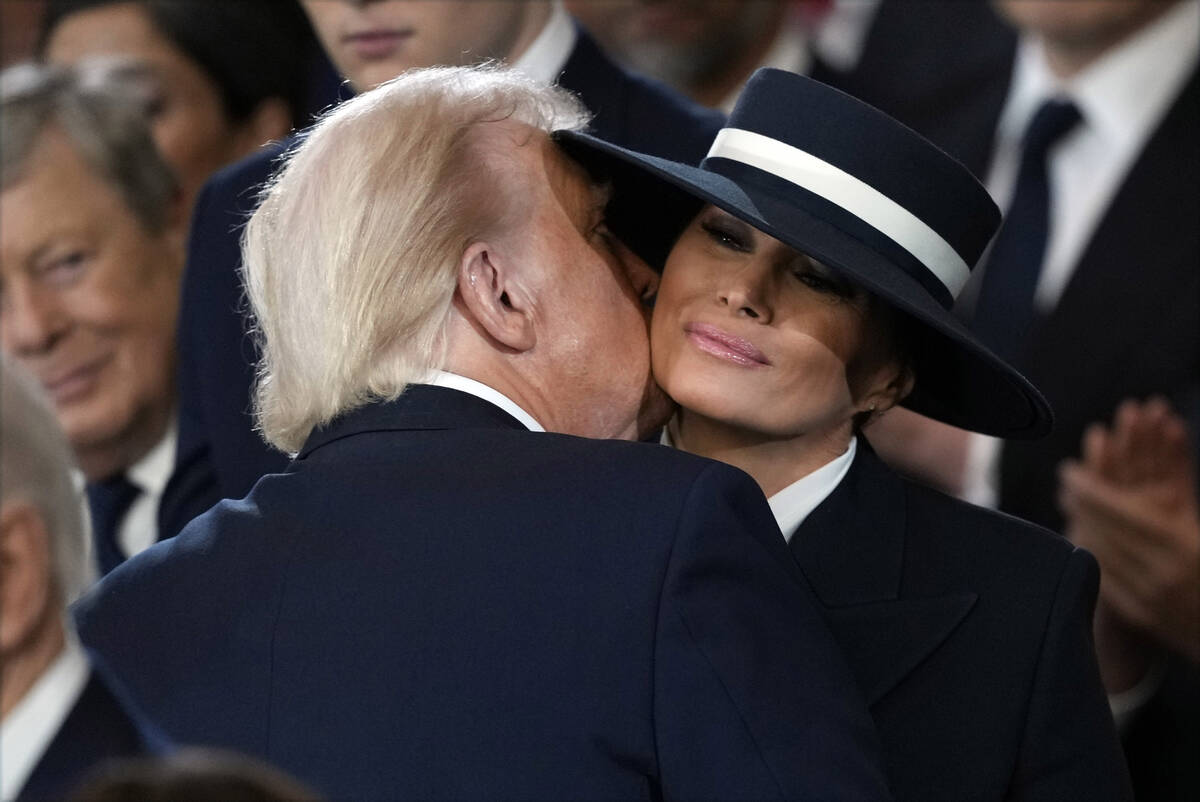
x=1068 y=56
x=773 y=462
x=711 y=90
x=102 y=460
x=534 y=17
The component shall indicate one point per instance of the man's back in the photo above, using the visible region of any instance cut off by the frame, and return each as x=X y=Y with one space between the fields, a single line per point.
x=437 y=603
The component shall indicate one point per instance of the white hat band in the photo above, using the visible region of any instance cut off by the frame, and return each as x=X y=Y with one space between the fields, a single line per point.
x=844 y=190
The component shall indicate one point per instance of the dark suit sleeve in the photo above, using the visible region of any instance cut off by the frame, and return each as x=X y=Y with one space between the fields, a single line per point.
x=752 y=699
x=1070 y=748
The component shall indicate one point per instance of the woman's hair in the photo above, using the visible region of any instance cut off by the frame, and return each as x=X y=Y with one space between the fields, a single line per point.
x=351 y=259
x=35 y=466
x=251 y=50
x=105 y=120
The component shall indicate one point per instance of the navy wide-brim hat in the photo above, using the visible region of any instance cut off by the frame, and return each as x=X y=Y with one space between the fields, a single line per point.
x=858 y=191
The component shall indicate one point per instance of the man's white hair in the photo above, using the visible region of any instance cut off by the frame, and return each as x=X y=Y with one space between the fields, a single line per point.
x=36 y=467
x=351 y=258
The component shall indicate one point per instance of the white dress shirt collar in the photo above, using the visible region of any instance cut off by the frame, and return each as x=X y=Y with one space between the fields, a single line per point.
x=139 y=528
x=794 y=503
x=797 y=501
x=1125 y=93
x=547 y=54
x=30 y=726
x=453 y=381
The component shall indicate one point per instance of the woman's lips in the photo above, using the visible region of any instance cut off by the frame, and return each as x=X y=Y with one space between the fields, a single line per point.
x=371 y=45
x=720 y=343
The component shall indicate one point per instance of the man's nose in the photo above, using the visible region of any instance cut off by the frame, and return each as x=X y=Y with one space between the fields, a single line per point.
x=643 y=278
x=31 y=320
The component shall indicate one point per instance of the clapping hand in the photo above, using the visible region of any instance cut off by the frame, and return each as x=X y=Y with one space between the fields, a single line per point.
x=1131 y=500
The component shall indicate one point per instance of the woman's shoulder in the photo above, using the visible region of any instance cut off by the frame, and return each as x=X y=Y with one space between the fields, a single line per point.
x=941 y=528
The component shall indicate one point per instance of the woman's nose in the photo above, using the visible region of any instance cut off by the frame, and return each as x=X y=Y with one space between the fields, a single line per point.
x=746 y=294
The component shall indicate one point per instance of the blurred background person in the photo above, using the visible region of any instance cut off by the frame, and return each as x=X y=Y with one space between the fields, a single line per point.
x=19 y=24
x=220 y=452
x=704 y=48
x=91 y=251
x=941 y=68
x=58 y=716
x=1090 y=288
x=221 y=79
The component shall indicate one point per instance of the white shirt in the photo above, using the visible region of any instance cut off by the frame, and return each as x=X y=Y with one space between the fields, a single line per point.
x=1122 y=97
x=792 y=505
x=795 y=503
x=442 y=378
x=139 y=527
x=30 y=726
x=547 y=54
x=842 y=32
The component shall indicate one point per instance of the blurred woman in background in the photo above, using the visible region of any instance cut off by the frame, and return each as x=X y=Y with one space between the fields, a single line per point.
x=221 y=78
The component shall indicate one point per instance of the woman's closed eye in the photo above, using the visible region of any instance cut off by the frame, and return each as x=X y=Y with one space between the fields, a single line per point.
x=818 y=278
x=725 y=236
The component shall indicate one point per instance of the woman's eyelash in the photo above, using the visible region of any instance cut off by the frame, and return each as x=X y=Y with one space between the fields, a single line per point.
x=724 y=236
x=821 y=283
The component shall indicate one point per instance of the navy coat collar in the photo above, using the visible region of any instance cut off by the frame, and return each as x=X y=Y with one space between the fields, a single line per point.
x=419 y=407
x=851 y=549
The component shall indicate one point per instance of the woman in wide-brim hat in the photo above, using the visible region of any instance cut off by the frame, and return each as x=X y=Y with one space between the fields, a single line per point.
x=822 y=247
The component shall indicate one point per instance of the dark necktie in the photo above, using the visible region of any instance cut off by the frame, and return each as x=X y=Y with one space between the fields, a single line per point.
x=109 y=501
x=1004 y=312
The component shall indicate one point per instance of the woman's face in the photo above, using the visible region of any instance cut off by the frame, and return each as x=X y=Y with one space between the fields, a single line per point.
x=754 y=334
x=189 y=121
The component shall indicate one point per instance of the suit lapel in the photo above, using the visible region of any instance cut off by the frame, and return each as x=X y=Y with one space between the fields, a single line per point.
x=851 y=549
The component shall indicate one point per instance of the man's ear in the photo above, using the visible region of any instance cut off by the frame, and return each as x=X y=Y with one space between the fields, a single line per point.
x=26 y=583
x=492 y=297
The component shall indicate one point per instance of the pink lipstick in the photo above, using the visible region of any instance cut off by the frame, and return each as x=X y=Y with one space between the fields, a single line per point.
x=723 y=345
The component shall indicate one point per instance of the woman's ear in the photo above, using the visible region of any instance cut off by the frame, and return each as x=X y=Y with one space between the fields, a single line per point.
x=895 y=383
x=492 y=297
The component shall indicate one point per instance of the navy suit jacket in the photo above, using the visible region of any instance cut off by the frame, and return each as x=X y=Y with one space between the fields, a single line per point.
x=219 y=454
x=436 y=602
x=970 y=634
x=99 y=727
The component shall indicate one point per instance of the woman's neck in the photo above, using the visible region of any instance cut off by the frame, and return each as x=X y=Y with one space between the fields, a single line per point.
x=773 y=462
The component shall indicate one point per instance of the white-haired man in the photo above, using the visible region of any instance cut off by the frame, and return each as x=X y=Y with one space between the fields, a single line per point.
x=371 y=42
x=58 y=717
x=442 y=598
